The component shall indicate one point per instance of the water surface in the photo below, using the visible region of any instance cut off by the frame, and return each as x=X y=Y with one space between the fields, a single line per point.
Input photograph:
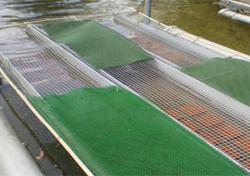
x=200 y=17
x=195 y=16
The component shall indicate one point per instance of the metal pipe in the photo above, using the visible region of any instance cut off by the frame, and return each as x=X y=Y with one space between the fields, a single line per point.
x=1 y=80
x=147 y=11
x=235 y=16
x=235 y=5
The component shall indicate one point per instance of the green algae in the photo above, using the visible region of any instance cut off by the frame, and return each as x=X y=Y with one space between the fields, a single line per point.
x=230 y=76
x=115 y=132
x=95 y=43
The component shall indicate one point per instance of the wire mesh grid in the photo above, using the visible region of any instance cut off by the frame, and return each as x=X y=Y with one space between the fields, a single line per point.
x=28 y=56
x=141 y=18
x=154 y=44
x=220 y=128
x=165 y=51
x=47 y=71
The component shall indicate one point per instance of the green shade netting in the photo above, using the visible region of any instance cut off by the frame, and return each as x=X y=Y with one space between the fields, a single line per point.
x=115 y=132
x=95 y=43
x=231 y=76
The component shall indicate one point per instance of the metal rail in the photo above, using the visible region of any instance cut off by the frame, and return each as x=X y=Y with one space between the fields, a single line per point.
x=216 y=125
x=235 y=5
x=147 y=80
x=219 y=125
x=48 y=69
x=203 y=107
x=161 y=49
x=179 y=38
x=8 y=66
x=235 y=15
x=46 y=124
x=45 y=69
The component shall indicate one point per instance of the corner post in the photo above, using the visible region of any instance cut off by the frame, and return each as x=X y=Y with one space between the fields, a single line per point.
x=147 y=11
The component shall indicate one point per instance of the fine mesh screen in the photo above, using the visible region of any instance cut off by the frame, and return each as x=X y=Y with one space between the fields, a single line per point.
x=101 y=126
x=44 y=68
x=215 y=124
x=28 y=56
x=230 y=76
x=99 y=45
x=218 y=127
x=115 y=132
x=169 y=98
x=154 y=45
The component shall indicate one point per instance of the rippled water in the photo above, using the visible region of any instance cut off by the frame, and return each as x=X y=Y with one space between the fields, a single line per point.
x=195 y=16
x=17 y=10
x=25 y=10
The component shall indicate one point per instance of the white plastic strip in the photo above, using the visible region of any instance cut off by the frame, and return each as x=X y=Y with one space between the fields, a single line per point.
x=235 y=15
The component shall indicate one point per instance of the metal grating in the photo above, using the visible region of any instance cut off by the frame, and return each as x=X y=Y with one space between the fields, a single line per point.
x=40 y=67
x=165 y=50
x=220 y=128
x=29 y=57
x=154 y=44
x=44 y=69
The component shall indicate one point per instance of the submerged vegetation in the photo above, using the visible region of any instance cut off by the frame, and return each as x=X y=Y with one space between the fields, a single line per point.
x=200 y=18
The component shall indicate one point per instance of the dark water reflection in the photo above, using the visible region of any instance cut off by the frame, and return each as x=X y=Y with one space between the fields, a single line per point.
x=23 y=10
